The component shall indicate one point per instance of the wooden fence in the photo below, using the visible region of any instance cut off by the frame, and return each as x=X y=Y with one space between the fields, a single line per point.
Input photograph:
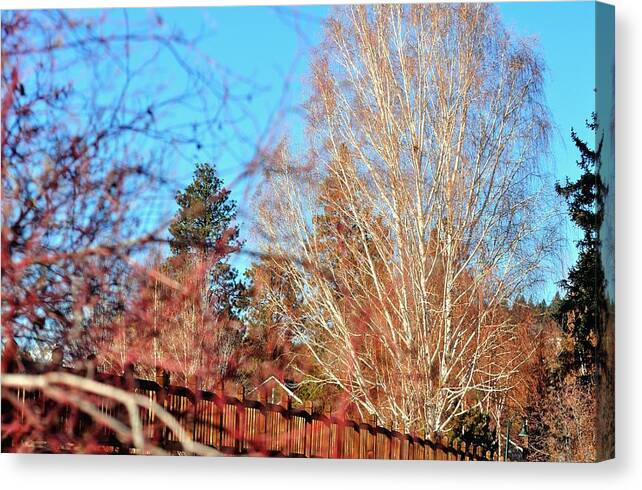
x=233 y=424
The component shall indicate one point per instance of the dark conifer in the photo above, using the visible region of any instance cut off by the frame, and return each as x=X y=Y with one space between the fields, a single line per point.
x=205 y=224
x=580 y=311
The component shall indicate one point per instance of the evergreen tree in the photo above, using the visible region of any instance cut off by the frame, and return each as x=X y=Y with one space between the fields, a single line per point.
x=205 y=214
x=474 y=427
x=553 y=309
x=580 y=311
x=268 y=348
x=204 y=225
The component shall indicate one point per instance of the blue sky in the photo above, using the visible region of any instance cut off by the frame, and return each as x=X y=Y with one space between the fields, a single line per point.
x=258 y=43
x=261 y=44
x=566 y=38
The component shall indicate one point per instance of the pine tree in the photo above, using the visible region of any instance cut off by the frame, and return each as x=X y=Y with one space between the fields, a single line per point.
x=580 y=311
x=204 y=225
x=205 y=214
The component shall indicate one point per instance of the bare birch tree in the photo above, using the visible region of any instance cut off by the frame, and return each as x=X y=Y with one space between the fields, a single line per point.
x=426 y=132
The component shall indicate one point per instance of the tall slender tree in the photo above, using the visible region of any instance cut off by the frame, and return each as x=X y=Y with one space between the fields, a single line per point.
x=581 y=310
x=190 y=319
x=204 y=225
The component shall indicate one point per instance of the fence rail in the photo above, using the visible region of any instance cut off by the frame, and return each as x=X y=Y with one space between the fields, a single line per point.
x=233 y=424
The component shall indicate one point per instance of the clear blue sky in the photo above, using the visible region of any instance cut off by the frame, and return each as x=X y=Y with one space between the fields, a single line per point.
x=261 y=44
x=258 y=42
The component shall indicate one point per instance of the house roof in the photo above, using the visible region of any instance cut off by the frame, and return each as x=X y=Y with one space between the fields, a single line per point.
x=281 y=385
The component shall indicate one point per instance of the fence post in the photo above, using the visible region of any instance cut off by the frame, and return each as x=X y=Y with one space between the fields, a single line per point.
x=307 y=431
x=286 y=402
x=386 y=443
x=431 y=439
x=363 y=433
x=450 y=445
x=445 y=444
x=338 y=442
x=373 y=435
x=410 y=445
x=391 y=427
x=240 y=420
x=193 y=386
x=327 y=412
x=220 y=395
x=261 y=435
x=163 y=381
